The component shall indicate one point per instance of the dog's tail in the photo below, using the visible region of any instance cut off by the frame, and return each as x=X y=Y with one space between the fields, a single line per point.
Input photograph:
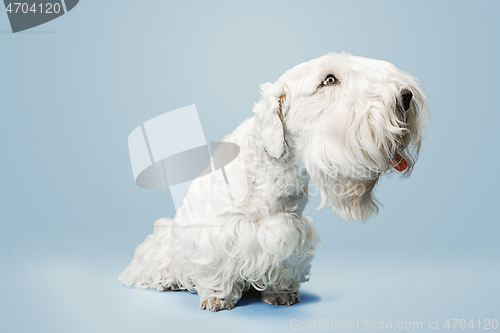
x=152 y=260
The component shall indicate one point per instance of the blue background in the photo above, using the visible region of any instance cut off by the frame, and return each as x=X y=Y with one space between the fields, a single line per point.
x=71 y=215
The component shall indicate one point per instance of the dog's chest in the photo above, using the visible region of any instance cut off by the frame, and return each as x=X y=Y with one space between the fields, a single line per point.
x=279 y=187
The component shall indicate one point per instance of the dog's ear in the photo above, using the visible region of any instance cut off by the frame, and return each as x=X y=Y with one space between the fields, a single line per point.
x=269 y=114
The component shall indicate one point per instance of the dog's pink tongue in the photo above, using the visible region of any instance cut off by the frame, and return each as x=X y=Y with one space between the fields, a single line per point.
x=400 y=163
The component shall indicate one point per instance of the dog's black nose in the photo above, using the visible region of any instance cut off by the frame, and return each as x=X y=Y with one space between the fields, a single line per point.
x=406 y=96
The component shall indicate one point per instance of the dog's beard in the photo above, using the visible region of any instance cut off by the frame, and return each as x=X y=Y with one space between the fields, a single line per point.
x=345 y=161
x=349 y=197
x=347 y=187
x=350 y=146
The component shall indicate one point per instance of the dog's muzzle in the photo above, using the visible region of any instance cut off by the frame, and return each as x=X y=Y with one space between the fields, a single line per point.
x=399 y=163
x=406 y=96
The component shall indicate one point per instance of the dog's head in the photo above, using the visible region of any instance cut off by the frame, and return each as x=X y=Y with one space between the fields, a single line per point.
x=349 y=120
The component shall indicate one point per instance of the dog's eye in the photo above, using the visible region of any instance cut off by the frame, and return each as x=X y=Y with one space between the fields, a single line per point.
x=329 y=80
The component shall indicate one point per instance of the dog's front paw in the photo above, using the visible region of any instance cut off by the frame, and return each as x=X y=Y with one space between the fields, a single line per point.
x=174 y=286
x=282 y=298
x=216 y=304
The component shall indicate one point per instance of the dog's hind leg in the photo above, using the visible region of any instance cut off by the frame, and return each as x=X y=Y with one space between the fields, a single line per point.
x=152 y=266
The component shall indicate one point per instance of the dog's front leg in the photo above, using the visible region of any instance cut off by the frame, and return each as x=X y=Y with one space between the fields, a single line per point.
x=277 y=295
x=215 y=300
x=293 y=237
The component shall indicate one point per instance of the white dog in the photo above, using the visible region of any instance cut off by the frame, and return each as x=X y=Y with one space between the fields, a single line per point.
x=342 y=121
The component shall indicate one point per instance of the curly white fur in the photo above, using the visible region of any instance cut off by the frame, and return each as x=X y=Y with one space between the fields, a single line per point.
x=344 y=136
